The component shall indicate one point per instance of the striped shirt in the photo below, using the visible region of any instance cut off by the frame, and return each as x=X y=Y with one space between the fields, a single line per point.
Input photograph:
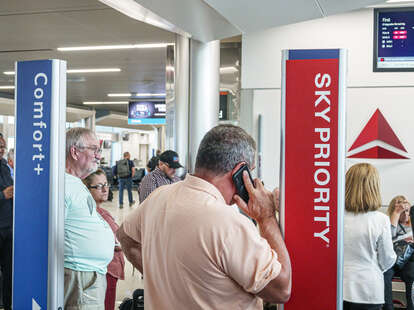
x=152 y=181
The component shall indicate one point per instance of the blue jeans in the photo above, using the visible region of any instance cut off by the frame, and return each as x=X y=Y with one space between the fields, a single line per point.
x=125 y=182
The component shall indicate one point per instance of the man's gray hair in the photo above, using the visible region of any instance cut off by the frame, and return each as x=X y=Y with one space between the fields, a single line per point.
x=223 y=147
x=75 y=137
x=10 y=154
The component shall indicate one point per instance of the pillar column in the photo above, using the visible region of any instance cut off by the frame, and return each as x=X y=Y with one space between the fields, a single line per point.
x=182 y=97
x=90 y=122
x=204 y=92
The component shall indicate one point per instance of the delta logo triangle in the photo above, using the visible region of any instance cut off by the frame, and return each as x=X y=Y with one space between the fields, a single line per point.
x=377 y=140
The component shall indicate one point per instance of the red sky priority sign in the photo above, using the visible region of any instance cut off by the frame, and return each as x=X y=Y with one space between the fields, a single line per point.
x=312 y=184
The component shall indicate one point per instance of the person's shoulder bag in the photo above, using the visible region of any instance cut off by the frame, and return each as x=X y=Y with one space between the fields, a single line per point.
x=404 y=250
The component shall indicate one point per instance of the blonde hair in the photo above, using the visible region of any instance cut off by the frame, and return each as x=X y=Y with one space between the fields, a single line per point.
x=391 y=206
x=362 y=189
x=89 y=179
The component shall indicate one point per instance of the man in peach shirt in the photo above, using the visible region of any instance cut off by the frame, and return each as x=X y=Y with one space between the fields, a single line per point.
x=195 y=251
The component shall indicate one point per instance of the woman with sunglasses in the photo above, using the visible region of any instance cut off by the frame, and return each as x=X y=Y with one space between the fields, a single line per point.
x=99 y=188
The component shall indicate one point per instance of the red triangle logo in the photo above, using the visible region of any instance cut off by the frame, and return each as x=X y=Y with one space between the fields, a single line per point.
x=377 y=128
x=378 y=152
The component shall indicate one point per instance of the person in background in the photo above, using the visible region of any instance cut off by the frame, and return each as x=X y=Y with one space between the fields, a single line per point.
x=399 y=213
x=6 y=226
x=195 y=251
x=162 y=175
x=152 y=163
x=148 y=168
x=99 y=188
x=10 y=162
x=125 y=171
x=89 y=240
x=368 y=250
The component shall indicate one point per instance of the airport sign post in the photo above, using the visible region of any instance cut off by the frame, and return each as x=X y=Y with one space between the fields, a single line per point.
x=312 y=174
x=39 y=184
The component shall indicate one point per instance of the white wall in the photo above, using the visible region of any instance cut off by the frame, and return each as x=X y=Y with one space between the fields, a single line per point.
x=397 y=106
x=392 y=93
x=261 y=51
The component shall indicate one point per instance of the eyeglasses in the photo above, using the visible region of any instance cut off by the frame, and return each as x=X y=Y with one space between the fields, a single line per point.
x=97 y=150
x=100 y=186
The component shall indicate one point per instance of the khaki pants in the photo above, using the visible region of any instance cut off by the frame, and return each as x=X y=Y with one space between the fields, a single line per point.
x=84 y=290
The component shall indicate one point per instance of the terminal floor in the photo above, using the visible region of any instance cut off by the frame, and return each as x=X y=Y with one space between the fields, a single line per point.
x=132 y=277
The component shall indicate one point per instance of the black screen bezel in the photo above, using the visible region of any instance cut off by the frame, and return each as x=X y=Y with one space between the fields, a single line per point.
x=375 y=49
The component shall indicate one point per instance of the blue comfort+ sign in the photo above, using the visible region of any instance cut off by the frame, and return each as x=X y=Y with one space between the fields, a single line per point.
x=31 y=212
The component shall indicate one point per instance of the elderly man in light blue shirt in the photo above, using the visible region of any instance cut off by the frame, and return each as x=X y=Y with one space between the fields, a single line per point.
x=89 y=241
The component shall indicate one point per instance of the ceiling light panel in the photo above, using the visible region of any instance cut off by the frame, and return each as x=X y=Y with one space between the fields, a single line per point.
x=228 y=70
x=120 y=95
x=6 y=87
x=85 y=70
x=93 y=70
x=398 y=1
x=104 y=102
x=136 y=95
x=111 y=47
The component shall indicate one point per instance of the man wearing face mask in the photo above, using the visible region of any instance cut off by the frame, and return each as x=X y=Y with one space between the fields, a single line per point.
x=89 y=241
x=162 y=175
x=6 y=226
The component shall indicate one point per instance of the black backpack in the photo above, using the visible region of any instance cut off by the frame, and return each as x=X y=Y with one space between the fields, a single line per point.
x=136 y=303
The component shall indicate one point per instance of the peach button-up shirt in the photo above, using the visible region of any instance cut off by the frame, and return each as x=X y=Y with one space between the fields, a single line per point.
x=198 y=252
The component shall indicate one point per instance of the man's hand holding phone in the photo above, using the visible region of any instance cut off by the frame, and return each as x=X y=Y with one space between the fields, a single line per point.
x=261 y=204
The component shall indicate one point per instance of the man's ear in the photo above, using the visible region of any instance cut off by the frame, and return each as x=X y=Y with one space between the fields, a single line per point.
x=73 y=153
x=237 y=167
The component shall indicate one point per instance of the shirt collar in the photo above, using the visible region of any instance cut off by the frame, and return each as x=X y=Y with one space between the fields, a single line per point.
x=203 y=185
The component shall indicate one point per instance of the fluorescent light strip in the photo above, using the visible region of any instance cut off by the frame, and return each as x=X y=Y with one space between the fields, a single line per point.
x=97 y=70
x=136 y=95
x=228 y=70
x=104 y=102
x=7 y=87
x=149 y=95
x=110 y=47
x=120 y=95
x=397 y=1
x=93 y=70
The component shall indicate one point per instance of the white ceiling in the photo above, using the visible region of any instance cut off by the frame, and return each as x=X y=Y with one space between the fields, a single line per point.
x=34 y=29
x=208 y=20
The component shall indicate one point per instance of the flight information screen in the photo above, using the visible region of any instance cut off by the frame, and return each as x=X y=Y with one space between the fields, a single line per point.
x=394 y=39
x=146 y=113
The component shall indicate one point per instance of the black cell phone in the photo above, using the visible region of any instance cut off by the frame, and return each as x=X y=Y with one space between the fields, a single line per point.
x=239 y=183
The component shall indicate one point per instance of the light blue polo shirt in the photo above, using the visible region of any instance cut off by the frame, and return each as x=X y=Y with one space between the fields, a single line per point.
x=89 y=240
